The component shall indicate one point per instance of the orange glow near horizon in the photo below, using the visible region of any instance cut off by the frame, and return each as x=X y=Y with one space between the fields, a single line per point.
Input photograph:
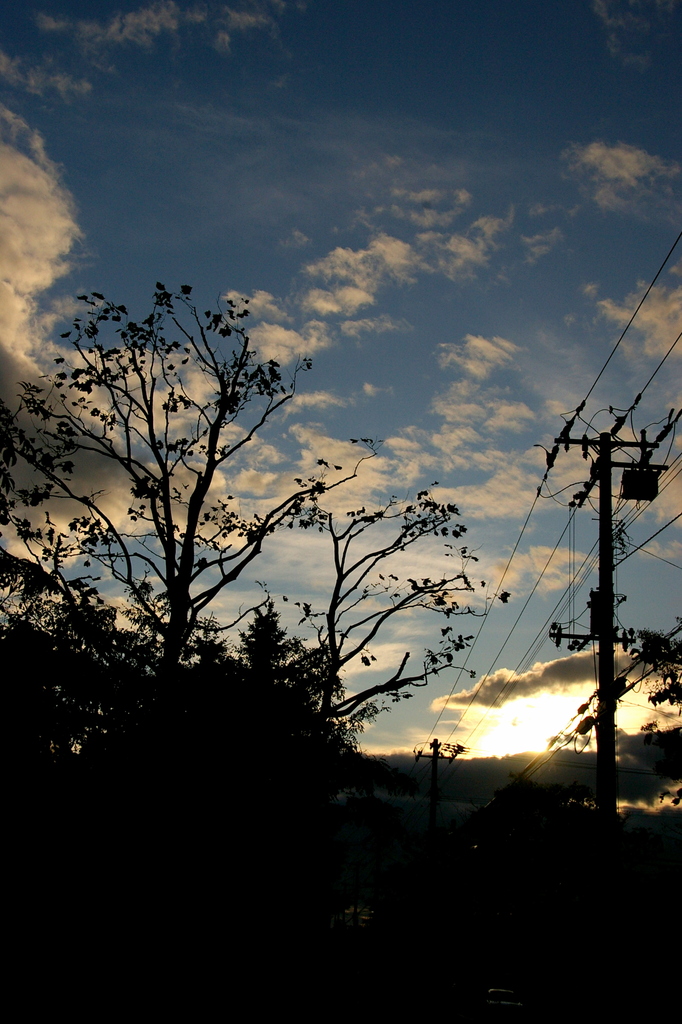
x=528 y=724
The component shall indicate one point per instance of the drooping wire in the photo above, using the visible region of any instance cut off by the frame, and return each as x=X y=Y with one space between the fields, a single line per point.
x=660 y=364
x=551 y=457
x=586 y=568
x=487 y=611
x=564 y=601
x=632 y=551
x=674 y=564
x=530 y=653
x=627 y=326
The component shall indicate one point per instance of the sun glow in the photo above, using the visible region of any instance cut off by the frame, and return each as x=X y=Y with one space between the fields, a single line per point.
x=525 y=724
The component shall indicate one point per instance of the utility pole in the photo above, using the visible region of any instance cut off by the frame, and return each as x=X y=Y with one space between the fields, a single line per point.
x=441 y=751
x=605 y=725
x=640 y=483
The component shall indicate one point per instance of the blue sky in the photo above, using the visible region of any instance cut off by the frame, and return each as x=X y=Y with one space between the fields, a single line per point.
x=452 y=207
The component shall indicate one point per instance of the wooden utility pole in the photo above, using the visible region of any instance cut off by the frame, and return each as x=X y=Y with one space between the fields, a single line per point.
x=640 y=483
x=605 y=724
x=441 y=751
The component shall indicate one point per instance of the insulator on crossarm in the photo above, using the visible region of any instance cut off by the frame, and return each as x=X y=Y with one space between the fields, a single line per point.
x=619 y=424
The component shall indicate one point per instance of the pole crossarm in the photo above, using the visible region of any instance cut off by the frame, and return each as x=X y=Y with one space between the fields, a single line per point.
x=441 y=752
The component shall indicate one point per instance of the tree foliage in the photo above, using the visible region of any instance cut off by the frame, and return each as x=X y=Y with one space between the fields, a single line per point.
x=158 y=408
x=366 y=593
x=662 y=654
x=115 y=474
x=290 y=679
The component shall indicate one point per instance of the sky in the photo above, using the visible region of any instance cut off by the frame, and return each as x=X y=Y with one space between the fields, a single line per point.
x=453 y=208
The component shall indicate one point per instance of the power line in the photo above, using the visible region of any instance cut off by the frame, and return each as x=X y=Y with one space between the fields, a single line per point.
x=674 y=519
x=532 y=651
x=534 y=648
x=487 y=611
x=551 y=457
x=660 y=364
x=645 y=552
x=625 y=329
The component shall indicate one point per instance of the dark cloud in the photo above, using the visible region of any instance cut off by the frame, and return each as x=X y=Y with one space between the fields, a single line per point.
x=466 y=784
x=544 y=677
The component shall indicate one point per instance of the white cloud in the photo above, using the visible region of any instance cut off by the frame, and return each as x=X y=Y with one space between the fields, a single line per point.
x=140 y=27
x=343 y=299
x=245 y=20
x=316 y=400
x=553 y=563
x=261 y=305
x=478 y=356
x=629 y=25
x=296 y=240
x=623 y=177
x=253 y=15
x=466 y=402
x=509 y=490
x=373 y=325
x=41 y=79
x=37 y=231
x=272 y=341
x=459 y=256
x=461 y=403
x=540 y=244
x=254 y=483
x=574 y=674
x=144 y=26
x=658 y=322
x=426 y=201
x=354 y=276
x=357 y=274
x=377 y=477
x=222 y=41
x=509 y=416
x=540 y=209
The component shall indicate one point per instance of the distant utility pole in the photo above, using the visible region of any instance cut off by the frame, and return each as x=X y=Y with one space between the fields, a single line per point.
x=441 y=752
x=640 y=483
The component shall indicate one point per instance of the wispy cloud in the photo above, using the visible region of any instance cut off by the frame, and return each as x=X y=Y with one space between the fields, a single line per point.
x=40 y=79
x=658 y=322
x=144 y=26
x=253 y=15
x=540 y=244
x=466 y=402
x=38 y=229
x=355 y=275
x=273 y=341
x=373 y=325
x=138 y=28
x=296 y=240
x=460 y=256
x=429 y=207
x=629 y=24
x=261 y=305
x=316 y=400
x=625 y=178
x=478 y=356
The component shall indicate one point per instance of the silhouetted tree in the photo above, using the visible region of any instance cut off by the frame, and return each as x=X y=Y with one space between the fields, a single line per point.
x=158 y=413
x=160 y=407
x=308 y=776
x=367 y=593
x=663 y=653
